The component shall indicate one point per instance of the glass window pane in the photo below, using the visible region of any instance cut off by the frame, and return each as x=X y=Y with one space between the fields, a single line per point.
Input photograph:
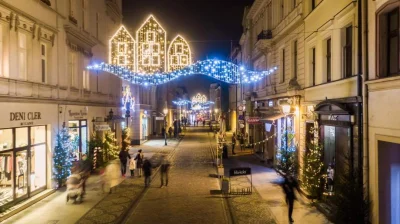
x=72 y=124
x=84 y=140
x=6 y=178
x=21 y=139
x=38 y=167
x=21 y=173
x=74 y=137
x=6 y=139
x=83 y=123
x=38 y=135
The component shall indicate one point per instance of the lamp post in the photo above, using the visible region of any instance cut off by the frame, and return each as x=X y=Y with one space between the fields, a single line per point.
x=165 y=124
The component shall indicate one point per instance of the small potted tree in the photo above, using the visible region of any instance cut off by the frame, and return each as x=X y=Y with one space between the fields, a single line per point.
x=225 y=185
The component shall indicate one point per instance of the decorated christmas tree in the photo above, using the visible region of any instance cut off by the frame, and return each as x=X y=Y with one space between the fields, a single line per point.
x=109 y=146
x=126 y=140
x=286 y=153
x=62 y=156
x=312 y=168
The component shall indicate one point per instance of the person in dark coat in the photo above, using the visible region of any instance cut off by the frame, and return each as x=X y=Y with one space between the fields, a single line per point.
x=165 y=166
x=147 y=172
x=289 y=185
x=123 y=157
x=233 y=143
x=139 y=162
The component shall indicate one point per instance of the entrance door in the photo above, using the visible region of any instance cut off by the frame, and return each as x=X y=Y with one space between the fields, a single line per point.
x=21 y=173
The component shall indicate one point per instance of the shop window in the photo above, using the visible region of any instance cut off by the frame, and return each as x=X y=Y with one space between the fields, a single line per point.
x=21 y=173
x=38 y=167
x=6 y=139
x=78 y=133
x=38 y=135
x=21 y=137
x=389 y=38
x=6 y=178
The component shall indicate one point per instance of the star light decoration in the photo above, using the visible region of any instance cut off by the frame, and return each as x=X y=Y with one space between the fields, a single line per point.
x=128 y=99
x=181 y=102
x=221 y=70
x=151 y=47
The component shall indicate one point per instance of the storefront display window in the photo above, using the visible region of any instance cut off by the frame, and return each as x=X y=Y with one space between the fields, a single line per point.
x=21 y=173
x=38 y=167
x=22 y=163
x=78 y=133
x=6 y=178
x=6 y=139
x=21 y=137
x=38 y=135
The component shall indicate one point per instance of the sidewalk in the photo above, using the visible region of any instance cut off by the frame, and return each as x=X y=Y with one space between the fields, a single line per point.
x=54 y=209
x=265 y=183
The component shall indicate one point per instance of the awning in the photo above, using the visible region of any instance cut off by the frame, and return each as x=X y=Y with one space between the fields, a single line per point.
x=272 y=117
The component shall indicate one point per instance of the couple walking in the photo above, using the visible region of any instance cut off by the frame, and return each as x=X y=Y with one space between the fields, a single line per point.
x=134 y=163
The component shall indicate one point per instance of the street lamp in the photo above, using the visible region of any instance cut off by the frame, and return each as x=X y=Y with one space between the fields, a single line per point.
x=165 y=124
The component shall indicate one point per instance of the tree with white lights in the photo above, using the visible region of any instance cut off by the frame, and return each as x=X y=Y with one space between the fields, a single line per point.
x=62 y=156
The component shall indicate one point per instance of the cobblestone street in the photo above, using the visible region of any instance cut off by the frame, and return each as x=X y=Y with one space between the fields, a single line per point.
x=187 y=198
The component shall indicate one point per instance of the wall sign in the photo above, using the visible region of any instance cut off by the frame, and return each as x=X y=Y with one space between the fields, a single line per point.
x=26 y=118
x=77 y=114
x=102 y=127
x=253 y=120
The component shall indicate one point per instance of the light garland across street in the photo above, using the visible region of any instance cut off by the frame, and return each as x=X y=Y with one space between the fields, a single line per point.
x=221 y=70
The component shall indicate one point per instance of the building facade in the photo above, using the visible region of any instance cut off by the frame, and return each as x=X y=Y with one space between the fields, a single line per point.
x=45 y=48
x=314 y=45
x=381 y=92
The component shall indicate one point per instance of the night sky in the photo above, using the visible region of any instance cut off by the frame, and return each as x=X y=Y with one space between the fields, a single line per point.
x=208 y=25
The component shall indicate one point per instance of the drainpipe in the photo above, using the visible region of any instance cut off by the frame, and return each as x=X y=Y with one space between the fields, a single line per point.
x=365 y=108
x=359 y=93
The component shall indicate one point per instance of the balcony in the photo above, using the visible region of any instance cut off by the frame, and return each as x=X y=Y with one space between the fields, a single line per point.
x=265 y=35
x=264 y=41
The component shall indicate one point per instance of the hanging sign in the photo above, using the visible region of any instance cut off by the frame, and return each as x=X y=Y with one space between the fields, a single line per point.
x=159 y=118
x=239 y=171
x=253 y=120
x=102 y=127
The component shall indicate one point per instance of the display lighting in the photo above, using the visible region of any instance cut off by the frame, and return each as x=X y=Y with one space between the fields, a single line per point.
x=128 y=98
x=151 y=47
x=221 y=70
x=122 y=49
x=181 y=102
x=179 y=54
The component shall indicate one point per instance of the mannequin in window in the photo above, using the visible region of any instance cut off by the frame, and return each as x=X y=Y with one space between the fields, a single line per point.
x=330 y=175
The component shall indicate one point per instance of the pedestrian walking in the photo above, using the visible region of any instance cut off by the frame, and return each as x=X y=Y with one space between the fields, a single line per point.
x=123 y=157
x=147 y=172
x=233 y=143
x=165 y=166
x=170 y=132
x=110 y=177
x=241 y=141
x=132 y=167
x=139 y=162
x=289 y=185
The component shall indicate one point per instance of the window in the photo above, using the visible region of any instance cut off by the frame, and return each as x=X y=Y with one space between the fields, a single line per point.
x=22 y=58
x=1 y=50
x=294 y=4
x=328 y=60
x=282 y=8
x=393 y=42
x=347 y=52
x=72 y=69
x=313 y=65
x=269 y=16
x=295 y=59
x=43 y=56
x=97 y=25
x=283 y=66
x=71 y=7
x=85 y=24
x=312 y=5
x=86 y=75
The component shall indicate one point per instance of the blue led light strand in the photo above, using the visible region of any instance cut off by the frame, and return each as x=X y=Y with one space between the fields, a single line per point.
x=221 y=70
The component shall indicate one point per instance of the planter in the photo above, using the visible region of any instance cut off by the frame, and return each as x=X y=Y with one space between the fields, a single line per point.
x=220 y=171
x=225 y=187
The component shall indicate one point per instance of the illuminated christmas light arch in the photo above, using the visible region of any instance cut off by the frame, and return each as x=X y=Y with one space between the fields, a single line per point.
x=151 y=47
x=179 y=54
x=221 y=70
x=122 y=49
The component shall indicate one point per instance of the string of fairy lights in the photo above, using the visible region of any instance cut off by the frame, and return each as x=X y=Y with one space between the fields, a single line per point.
x=148 y=61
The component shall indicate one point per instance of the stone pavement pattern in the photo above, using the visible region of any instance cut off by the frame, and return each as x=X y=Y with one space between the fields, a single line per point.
x=187 y=198
x=53 y=208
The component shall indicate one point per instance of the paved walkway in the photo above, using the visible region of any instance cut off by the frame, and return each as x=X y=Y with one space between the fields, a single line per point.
x=54 y=210
x=187 y=198
x=265 y=182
